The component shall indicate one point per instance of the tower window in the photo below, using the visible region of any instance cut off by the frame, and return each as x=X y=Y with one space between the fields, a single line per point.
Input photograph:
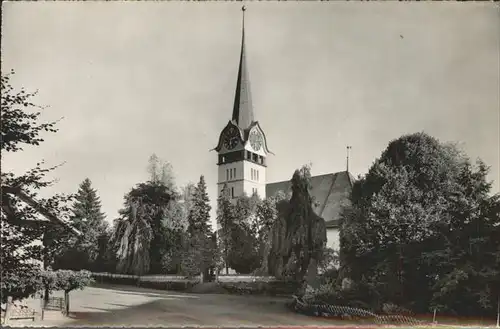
x=257 y=172
x=232 y=192
x=234 y=172
x=227 y=174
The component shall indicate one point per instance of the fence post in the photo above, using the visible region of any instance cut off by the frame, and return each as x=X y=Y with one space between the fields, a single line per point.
x=498 y=312
x=8 y=309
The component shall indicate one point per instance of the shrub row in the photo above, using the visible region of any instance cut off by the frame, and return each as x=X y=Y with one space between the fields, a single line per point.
x=273 y=288
x=241 y=285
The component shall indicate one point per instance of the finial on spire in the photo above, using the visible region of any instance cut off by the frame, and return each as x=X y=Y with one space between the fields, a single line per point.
x=348 y=149
x=243 y=8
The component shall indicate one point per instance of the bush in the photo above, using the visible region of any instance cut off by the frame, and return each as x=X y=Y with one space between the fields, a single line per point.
x=271 y=288
x=68 y=280
x=392 y=309
x=329 y=292
x=20 y=284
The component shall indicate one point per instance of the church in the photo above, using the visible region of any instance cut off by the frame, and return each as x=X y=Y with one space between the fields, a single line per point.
x=242 y=151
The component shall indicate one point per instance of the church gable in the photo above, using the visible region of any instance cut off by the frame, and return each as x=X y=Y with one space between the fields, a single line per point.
x=240 y=136
x=337 y=198
x=330 y=192
x=255 y=128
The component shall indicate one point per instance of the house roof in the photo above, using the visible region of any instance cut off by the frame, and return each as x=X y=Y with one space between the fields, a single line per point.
x=52 y=219
x=330 y=193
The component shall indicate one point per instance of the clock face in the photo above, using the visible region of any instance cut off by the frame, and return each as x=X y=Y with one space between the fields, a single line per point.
x=231 y=138
x=255 y=140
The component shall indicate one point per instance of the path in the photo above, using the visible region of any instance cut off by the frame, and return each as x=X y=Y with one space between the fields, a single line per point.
x=132 y=306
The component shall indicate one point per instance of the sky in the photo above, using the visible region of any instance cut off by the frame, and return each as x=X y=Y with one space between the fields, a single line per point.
x=135 y=78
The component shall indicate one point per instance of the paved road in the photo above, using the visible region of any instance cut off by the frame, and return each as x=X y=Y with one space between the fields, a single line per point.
x=122 y=306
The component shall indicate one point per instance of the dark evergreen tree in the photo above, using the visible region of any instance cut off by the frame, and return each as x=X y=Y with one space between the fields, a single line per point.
x=87 y=251
x=226 y=222
x=199 y=214
x=199 y=250
x=305 y=236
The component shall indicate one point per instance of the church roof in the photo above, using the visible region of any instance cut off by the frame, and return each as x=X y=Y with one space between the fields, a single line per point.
x=330 y=192
x=242 y=109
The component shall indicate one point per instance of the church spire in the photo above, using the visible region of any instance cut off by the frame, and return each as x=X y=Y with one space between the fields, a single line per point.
x=243 y=110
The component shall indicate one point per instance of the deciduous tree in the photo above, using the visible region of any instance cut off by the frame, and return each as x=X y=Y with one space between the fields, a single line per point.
x=22 y=227
x=416 y=224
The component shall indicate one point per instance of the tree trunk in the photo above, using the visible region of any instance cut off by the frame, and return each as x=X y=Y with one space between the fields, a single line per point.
x=66 y=301
x=46 y=296
x=312 y=274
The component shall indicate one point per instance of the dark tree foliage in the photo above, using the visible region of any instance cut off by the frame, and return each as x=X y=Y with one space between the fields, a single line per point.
x=87 y=251
x=199 y=250
x=243 y=254
x=199 y=214
x=140 y=235
x=18 y=126
x=270 y=233
x=226 y=219
x=305 y=236
x=296 y=235
x=174 y=225
x=421 y=231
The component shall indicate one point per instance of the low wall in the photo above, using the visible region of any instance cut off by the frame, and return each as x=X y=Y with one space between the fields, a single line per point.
x=163 y=282
x=245 y=278
x=233 y=284
x=273 y=288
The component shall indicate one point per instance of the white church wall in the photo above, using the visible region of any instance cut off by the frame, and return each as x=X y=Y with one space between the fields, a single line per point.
x=333 y=238
x=232 y=179
x=240 y=180
x=259 y=179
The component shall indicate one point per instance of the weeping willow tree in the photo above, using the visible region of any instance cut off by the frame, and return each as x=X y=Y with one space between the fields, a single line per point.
x=133 y=236
x=140 y=234
x=298 y=236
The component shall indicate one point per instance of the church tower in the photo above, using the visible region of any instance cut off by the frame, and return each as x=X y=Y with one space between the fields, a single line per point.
x=242 y=147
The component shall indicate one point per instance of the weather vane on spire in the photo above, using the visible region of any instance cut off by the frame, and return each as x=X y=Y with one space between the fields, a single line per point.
x=348 y=149
x=243 y=8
